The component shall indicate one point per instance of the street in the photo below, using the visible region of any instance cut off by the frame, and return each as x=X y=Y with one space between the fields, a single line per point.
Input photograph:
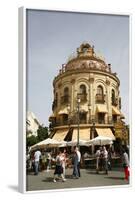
x=89 y=178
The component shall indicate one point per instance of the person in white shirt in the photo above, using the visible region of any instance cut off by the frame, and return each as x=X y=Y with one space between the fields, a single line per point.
x=79 y=160
x=49 y=159
x=105 y=158
x=64 y=162
x=37 y=155
x=98 y=153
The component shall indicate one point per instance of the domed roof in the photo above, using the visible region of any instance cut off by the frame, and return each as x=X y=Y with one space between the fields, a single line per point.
x=86 y=58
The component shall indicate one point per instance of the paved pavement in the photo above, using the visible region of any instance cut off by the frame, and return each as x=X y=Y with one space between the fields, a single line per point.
x=89 y=178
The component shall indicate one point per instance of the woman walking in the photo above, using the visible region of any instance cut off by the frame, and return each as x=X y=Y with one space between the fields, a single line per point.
x=58 y=168
x=126 y=164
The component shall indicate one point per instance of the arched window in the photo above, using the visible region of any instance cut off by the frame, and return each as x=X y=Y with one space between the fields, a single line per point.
x=113 y=97
x=100 y=95
x=82 y=89
x=65 y=97
x=100 y=90
x=66 y=91
x=82 y=93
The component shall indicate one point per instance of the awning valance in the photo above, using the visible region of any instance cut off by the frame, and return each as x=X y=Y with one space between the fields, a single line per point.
x=60 y=134
x=106 y=132
x=63 y=111
x=115 y=111
x=84 y=134
x=102 y=109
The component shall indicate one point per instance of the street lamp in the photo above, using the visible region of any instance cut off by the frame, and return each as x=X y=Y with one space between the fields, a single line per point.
x=92 y=133
x=69 y=113
x=92 y=129
x=78 y=119
x=89 y=108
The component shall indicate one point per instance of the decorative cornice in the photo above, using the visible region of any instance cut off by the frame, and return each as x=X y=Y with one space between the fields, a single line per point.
x=77 y=71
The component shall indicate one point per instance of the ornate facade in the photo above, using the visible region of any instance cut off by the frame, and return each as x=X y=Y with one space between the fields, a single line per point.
x=86 y=94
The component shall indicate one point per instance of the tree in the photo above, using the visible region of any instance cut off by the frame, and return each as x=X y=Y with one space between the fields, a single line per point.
x=31 y=140
x=42 y=133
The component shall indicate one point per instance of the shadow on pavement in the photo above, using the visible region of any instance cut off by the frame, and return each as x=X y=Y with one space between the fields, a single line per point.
x=48 y=179
x=94 y=172
x=114 y=177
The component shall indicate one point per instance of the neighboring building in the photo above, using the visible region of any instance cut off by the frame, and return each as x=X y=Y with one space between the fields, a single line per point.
x=86 y=85
x=32 y=124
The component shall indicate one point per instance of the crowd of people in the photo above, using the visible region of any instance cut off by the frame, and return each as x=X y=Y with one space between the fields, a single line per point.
x=103 y=159
x=41 y=161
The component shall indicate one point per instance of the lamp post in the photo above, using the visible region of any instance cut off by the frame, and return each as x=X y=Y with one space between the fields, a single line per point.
x=92 y=134
x=89 y=108
x=78 y=119
x=68 y=108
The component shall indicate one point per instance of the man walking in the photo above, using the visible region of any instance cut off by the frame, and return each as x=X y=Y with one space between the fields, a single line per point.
x=37 y=155
x=105 y=158
x=79 y=160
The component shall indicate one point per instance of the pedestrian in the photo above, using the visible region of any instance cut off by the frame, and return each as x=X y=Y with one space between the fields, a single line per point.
x=64 y=158
x=97 y=160
x=37 y=155
x=101 y=158
x=43 y=161
x=79 y=160
x=105 y=159
x=110 y=158
x=49 y=159
x=75 y=173
x=125 y=160
x=58 y=168
x=32 y=161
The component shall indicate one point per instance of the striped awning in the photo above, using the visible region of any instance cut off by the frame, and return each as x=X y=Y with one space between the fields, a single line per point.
x=102 y=108
x=115 y=111
x=84 y=134
x=60 y=134
x=106 y=132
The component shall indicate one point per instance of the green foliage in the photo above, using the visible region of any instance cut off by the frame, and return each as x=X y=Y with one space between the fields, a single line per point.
x=42 y=133
x=31 y=140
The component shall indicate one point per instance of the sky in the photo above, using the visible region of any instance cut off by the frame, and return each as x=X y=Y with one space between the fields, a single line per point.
x=52 y=37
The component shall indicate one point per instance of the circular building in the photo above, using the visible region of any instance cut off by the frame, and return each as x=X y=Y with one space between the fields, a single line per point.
x=87 y=100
